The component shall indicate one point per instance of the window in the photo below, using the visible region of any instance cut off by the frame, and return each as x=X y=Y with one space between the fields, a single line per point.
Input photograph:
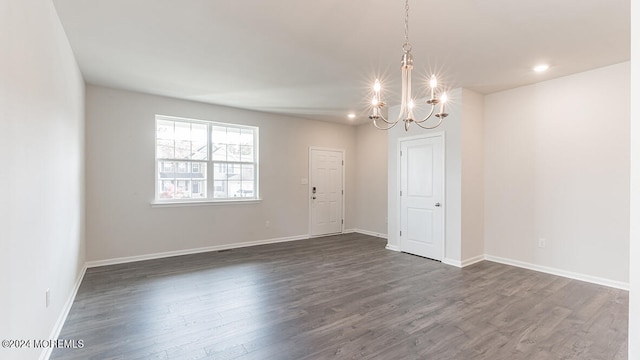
x=205 y=161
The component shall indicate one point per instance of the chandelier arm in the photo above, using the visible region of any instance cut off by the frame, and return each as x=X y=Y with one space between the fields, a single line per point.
x=391 y=124
x=400 y=117
x=430 y=127
x=428 y=116
x=384 y=119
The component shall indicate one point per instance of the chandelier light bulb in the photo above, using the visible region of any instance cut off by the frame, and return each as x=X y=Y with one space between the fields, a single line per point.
x=443 y=100
x=376 y=86
x=433 y=82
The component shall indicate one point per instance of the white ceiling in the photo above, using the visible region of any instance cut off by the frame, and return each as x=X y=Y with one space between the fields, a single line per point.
x=318 y=59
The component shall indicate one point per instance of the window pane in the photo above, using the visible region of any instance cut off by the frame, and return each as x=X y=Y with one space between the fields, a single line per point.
x=219 y=171
x=199 y=150
x=164 y=129
x=182 y=130
x=219 y=134
x=181 y=140
x=219 y=152
x=167 y=189
x=247 y=172
x=220 y=189
x=233 y=136
x=234 y=172
x=246 y=137
x=248 y=189
x=199 y=133
x=177 y=179
x=235 y=188
x=164 y=149
x=165 y=170
x=233 y=152
x=246 y=153
x=183 y=149
x=198 y=171
x=182 y=189
x=199 y=189
x=198 y=176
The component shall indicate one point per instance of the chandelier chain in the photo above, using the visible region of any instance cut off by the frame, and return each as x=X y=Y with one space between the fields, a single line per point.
x=406 y=22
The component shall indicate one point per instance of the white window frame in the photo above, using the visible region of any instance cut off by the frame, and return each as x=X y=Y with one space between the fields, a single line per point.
x=210 y=164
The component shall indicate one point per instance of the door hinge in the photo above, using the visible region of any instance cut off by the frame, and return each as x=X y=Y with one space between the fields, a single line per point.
x=400 y=232
x=342 y=192
x=342 y=221
x=342 y=162
x=400 y=192
x=400 y=152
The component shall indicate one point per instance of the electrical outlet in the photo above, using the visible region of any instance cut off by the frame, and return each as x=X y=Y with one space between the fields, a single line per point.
x=542 y=243
x=47 y=298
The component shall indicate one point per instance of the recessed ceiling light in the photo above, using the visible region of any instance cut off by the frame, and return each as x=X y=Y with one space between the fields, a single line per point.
x=351 y=116
x=541 y=68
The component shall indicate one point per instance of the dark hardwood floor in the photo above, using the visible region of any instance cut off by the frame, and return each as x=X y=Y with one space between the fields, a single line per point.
x=342 y=297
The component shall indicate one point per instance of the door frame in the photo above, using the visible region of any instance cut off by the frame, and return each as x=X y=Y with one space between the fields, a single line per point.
x=310 y=182
x=440 y=134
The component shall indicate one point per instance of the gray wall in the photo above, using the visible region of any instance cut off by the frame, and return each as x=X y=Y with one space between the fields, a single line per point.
x=472 y=192
x=557 y=167
x=371 y=180
x=120 y=178
x=42 y=175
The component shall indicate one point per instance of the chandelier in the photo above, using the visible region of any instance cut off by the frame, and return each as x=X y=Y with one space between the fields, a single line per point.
x=407 y=104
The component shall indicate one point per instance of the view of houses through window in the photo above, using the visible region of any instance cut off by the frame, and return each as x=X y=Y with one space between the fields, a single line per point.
x=200 y=160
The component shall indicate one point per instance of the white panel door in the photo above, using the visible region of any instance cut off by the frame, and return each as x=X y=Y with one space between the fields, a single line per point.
x=326 y=191
x=422 y=197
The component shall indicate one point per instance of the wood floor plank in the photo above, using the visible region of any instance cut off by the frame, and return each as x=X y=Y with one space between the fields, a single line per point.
x=339 y=297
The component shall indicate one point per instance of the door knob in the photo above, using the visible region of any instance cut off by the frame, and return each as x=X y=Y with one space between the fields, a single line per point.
x=437 y=205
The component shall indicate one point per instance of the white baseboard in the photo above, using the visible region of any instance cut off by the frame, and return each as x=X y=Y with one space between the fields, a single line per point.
x=392 y=247
x=128 y=259
x=559 y=272
x=473 y=260
x=456 y=263
x=451 y=262
x=55 y=332
x=366 y=232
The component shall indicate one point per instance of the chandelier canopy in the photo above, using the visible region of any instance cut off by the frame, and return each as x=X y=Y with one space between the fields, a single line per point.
x=406 y=102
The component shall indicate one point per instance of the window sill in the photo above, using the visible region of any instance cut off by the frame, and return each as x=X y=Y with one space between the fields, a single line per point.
x=204 y=203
